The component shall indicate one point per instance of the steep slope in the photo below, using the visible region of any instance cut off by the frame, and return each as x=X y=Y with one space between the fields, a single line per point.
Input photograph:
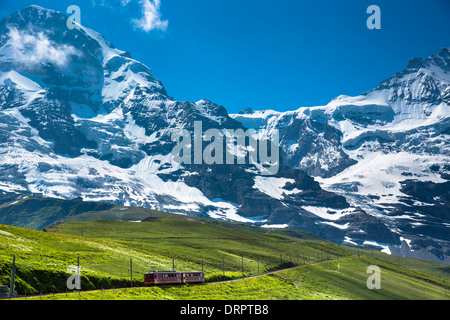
x=81 y=118
x=46 y=259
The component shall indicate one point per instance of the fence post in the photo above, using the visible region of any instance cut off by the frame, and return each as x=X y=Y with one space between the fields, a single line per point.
x=131 y=272
x=445 y=289
x=13 y=273
x=258 y=264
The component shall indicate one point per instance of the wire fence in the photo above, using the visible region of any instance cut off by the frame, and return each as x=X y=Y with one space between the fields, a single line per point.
x=24 y=278
x=50 y=276
x=102 y=276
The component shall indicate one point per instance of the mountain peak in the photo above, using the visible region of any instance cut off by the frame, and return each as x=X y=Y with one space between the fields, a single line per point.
x=445 y=52
x=416 y=63
x=442 y=60
x=37 y=12
x=35 y=6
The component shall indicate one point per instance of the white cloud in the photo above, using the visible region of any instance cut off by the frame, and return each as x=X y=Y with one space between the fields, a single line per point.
x=33 y=49
x=151 y=16
x=112 y=4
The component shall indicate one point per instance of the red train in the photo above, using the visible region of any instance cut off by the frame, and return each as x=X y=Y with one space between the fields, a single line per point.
x=172 y=277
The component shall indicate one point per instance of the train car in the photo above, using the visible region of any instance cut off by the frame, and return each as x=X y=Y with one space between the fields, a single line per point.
x=193 y=277
x=162 y=277
x=172 y=277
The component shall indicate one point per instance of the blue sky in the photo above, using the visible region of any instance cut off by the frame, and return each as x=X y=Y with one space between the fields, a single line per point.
x=262 y=54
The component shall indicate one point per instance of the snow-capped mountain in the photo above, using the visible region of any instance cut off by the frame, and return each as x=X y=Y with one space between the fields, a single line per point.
x=80 y=118
x=386 y=151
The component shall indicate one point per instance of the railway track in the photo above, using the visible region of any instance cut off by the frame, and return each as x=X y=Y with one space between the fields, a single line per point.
x=269 y=273
x=284 y=269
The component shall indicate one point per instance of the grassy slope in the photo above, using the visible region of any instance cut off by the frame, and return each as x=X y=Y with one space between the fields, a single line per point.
x=439 y=269
x=106 y=248
x=190 y=240
x=30 y=212
x=343 y=279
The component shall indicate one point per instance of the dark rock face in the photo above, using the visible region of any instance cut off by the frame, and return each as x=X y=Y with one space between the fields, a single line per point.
x=234 y=184
x=315 y=138
x=51 y=115
x=436 y=196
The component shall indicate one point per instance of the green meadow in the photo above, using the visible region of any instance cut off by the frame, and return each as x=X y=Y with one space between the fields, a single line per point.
x=343 y=279
x=261 y=263
x=112 y=253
